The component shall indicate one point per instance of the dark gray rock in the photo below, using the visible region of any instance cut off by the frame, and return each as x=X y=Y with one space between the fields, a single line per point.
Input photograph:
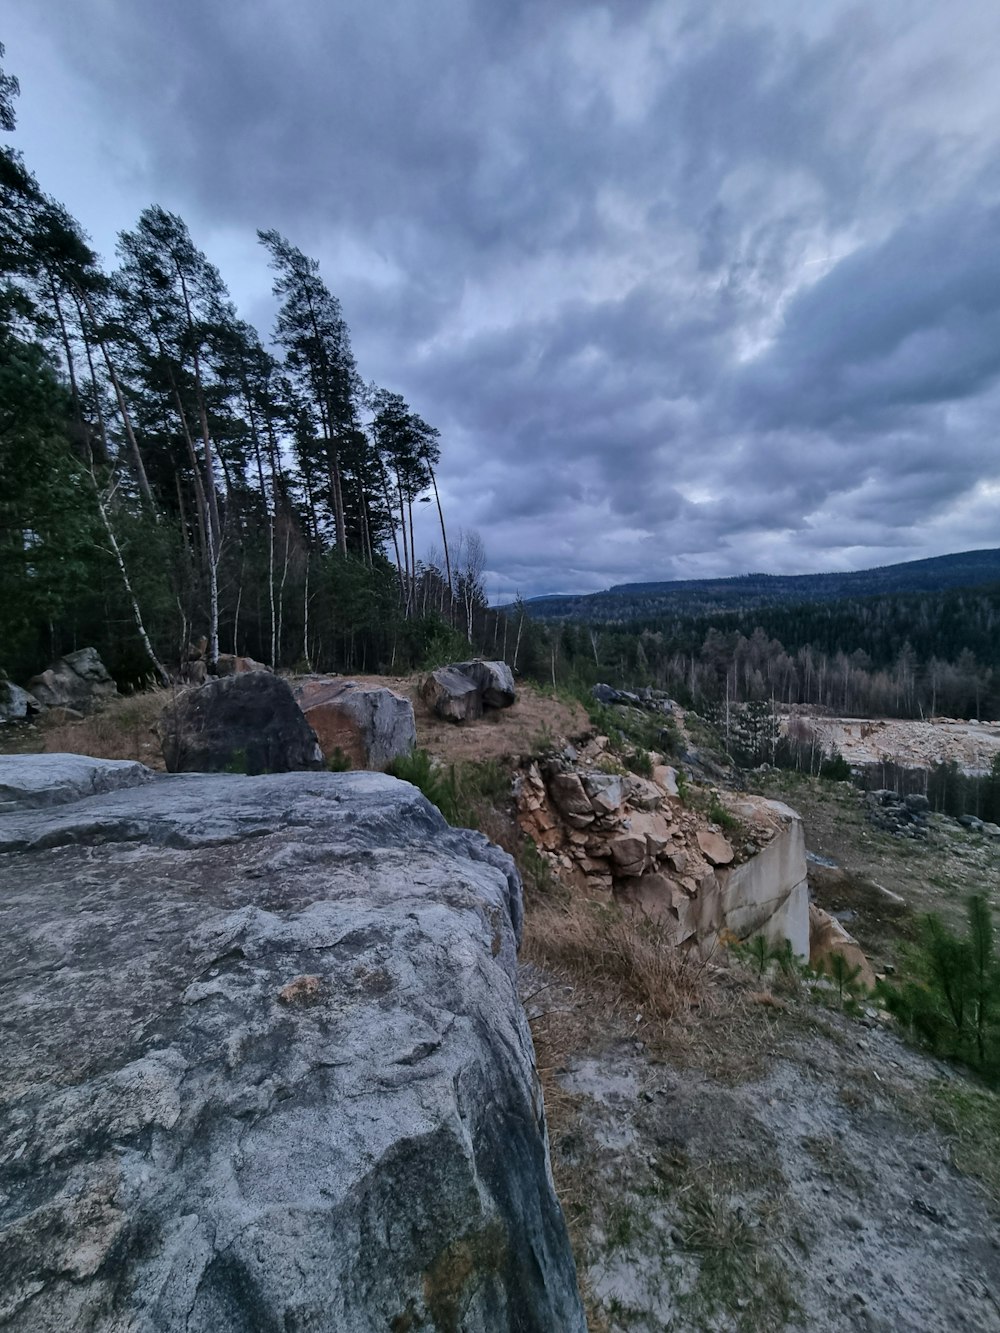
x=30 y=781
x=493 y=680
x=650 y=700
x=451 y=696
x=248 y=723
x=262 y=1066
x=79 y=680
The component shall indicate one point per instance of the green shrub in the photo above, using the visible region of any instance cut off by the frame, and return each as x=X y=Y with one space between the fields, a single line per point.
x=949 y=995
x=338 y=762
x=725 y=819
x=836 y=768
x=462 y=792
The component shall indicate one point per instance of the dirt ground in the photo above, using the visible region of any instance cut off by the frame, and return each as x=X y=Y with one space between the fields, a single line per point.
x=770 y=1166
x=534 y=717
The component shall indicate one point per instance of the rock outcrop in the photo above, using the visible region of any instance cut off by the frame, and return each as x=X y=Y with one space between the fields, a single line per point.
x=247 y=723
x=262 y=1066
x=79 y=680
x=461 y=691
x=369 y=724
x=628 y=838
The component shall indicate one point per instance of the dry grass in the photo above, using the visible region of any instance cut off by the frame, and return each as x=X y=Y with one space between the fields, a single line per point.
x=618 y=953
x=122 y=730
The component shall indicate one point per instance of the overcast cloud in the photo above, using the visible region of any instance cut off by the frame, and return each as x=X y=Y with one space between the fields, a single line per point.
x=688 y=289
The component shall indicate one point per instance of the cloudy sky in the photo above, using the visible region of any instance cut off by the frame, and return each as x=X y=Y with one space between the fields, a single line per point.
x=689 y=288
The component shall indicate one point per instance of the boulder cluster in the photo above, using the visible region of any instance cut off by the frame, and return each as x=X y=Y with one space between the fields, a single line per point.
x=650 y=700
x=76 y=684
x=905 y=816
x=977 y=825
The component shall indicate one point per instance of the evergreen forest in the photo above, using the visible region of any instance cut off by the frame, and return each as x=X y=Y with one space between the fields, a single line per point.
x=167 y=475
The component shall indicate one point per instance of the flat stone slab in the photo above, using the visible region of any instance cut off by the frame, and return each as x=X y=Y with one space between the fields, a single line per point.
x=29 y=781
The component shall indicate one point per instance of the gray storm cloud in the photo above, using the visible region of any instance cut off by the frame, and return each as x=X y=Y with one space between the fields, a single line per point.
x=687 y=290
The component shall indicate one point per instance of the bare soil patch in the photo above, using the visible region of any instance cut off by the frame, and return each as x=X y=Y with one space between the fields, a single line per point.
x=819 y=1184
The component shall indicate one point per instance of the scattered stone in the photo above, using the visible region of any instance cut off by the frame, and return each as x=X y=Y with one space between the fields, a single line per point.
x=248 y=723
x=79 y=680
x=369 y=724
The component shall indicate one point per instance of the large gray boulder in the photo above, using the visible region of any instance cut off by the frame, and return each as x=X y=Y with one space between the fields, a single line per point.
x=247 y=723
x=493 y=680
x=368 y=724
x=79 y=680
x=262 y=1066
x=451 y=695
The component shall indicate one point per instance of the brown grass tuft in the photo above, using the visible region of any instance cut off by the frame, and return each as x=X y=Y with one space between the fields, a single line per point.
x=626 y=955
x=122 y=730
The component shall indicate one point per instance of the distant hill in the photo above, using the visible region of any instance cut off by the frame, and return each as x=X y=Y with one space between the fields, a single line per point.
x=632 y=601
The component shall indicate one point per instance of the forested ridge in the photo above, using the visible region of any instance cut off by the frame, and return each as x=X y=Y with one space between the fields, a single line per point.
x=166 y=476
x=626 y=602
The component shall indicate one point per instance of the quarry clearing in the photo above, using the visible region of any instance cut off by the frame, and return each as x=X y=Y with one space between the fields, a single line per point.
x=908 y=742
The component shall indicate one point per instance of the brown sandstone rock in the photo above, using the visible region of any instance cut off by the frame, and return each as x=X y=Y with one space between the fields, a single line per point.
x=715 y=848
x=231 y=665
x=369 y=724
x=828 y=937
x=568 y=795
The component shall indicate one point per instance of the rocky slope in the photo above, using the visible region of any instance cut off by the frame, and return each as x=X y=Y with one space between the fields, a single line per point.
x=264 y=1066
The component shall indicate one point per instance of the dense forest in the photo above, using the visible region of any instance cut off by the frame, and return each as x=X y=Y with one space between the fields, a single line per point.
x=165 y=476
x=920 y=655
